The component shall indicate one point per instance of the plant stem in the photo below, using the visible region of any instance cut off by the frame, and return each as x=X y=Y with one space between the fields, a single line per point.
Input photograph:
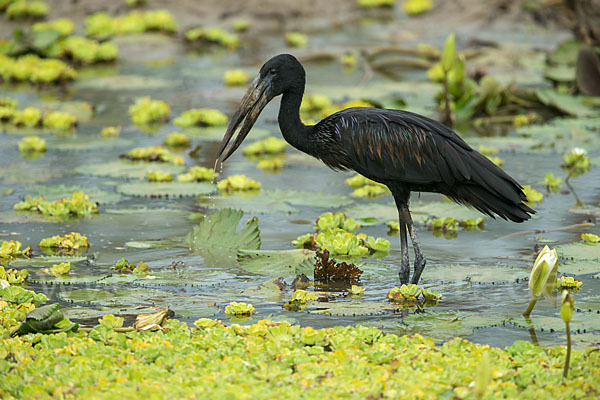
x=579 y=202
x=527 y=312
x=568 y=360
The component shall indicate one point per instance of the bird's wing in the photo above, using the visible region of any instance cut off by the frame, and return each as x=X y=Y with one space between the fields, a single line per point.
x=400 y=146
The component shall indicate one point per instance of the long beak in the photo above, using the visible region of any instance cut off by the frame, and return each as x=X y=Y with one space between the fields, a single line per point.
x=253 y=102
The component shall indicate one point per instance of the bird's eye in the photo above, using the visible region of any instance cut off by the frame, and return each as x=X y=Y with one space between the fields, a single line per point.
x=272 y=71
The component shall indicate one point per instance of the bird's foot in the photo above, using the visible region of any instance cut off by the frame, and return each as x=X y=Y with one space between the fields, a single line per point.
x=404 y=272
x=419 y=267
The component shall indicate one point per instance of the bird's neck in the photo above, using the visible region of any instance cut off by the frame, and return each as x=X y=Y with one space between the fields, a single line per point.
x=294 y=131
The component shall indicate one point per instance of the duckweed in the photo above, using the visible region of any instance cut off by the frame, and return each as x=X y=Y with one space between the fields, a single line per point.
x=237 y=183
x=77 y=205
x=198 y=174
x=146 y=111
x=202 y=117
x=32 y=144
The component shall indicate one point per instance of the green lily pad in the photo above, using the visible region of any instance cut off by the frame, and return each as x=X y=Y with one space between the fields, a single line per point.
x=270 y=290
x=217 y=239
x=560 y=73
x=118 y=279
x=128 y=169
x=589 y=303
x=79 y=312
x=165 y=189
x=44 y=261
x=579 y=267
x=583 y=341
x=474 y=273
x=65 y=280
x=440 y=325
x=581 y=321
x=579 y=251
x=191 y=306
x=270 y=201
x=52 y=193
x=185 y=276
x=350 y=308
x=124 y=82
x=508 y=143
x=24 y=172
x=12 y=217
x=277 y=262
x=572 y=105
x=146 y=211
x=120 y=297
x=74 y=143
x=441 y=209
x=383 y=212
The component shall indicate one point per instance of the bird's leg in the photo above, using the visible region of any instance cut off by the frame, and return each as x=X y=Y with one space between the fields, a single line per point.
x=404 y=272
x=419 y=256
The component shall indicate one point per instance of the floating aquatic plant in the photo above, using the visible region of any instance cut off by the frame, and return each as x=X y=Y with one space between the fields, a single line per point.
x=239 y=309
x=201 y=117
x=212 y=36
x=64 y=26
x=159 y=176
x=152 y=322
x=590 y=238
x=124 y=267
x=68 y=243
x=238 y=183
x=102 y=26
x=371 y=191
x=59 y=270
x=329 y=272
x=296 y=39
x=236 y=77
x=77 y=205
x=59 y=121
x=576 y=162
x=28 y=117
x=153 y=153
x=86 y=51
x=198 y=174
x=542 y=280
x=568 y=282
x=553 y=184
x=177 y=139
x=13 y=276
x=270 y=145
x=240 y=25
x=336 y=220
x=416 y=7
x=32 y=144
x=533 y=196
x=12 y=249
x=110 y=131
x=146 y=111
x=27 y=9
x=270 y=165
x=376 y=3
x=31 y=68
x=45 y=320
x=299 y=299
x=413 y=294
x=356 y=290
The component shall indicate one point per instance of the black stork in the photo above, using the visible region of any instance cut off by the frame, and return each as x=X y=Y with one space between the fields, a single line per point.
x=406 y=152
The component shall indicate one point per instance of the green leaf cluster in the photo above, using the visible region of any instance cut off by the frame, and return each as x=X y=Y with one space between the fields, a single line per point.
x=177 y=139
x=68 y=243
x=239 y=309
x=11 y=249
x=236 y=77
x=101 y=25
x=124 y=267
x=13 y=276
x=202 y=117
x=77 y=205
x=146 y=111
x=198 y=174
x=159 y=176
x=154 y=153
x=270 y=145
x=32 y=117
x=33 y=69
x=376 y=3
x=296 y=39
x=238 y=183
x=576 y=162
x=213 y=36
x=32 y=144
x=553 y=184
x=59 y=270
x=413 y=294
x=26 y=9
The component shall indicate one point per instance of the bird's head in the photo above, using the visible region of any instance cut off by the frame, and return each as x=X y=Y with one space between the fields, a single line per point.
x=280 y=74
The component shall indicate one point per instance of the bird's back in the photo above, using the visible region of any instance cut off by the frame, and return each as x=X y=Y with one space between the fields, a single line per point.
x=410 y=152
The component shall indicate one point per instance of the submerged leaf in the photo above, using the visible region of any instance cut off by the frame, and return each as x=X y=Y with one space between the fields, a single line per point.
x=277 y=262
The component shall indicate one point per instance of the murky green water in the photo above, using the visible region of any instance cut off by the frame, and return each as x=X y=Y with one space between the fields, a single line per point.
x=471 y=271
